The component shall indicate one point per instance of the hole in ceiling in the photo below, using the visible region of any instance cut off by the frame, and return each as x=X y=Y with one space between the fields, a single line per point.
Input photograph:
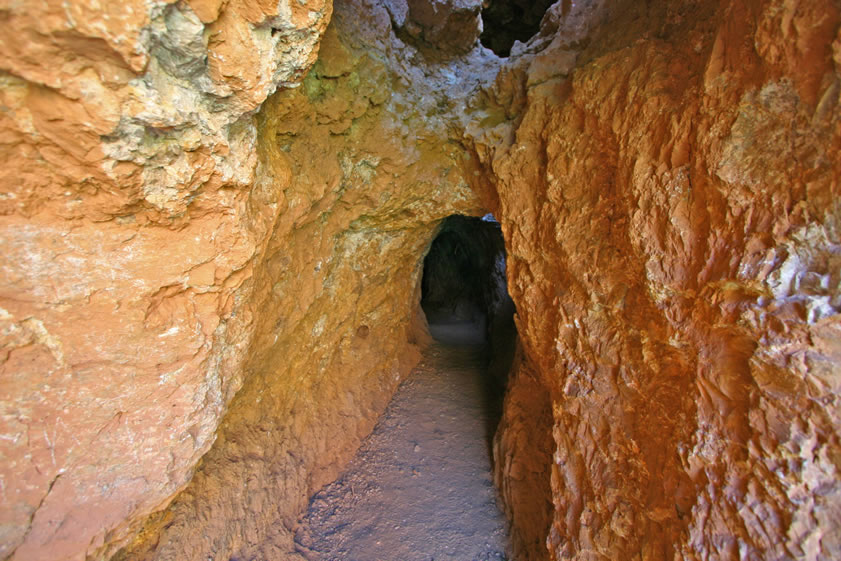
x=506 y=21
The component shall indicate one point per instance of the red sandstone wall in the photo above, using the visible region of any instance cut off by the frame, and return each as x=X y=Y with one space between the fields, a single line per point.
x=672 y=219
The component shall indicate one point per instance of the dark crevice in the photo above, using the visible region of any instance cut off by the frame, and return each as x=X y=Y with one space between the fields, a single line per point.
x=506 y=21
x=464 y=271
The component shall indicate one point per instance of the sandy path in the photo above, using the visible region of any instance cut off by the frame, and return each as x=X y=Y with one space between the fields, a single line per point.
x=420 y=487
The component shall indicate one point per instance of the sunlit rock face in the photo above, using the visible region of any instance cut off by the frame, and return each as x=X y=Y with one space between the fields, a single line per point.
x=132 y=220
x=213 y=289
x=442 y=27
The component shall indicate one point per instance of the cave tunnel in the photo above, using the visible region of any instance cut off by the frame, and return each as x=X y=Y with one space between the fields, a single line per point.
x=426 y=470
x=464 y=284
x=507 y=21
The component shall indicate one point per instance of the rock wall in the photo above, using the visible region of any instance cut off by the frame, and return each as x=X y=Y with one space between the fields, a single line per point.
x=668 y=190
x=130 y=226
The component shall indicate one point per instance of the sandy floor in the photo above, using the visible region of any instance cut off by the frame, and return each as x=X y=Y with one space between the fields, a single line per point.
x=420 y=487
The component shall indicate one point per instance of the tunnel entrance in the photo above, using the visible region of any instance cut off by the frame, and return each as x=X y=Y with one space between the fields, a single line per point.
x=455 y=272
x=464 y=275
x=420 y=486
x=464 y=295
x=506 y=21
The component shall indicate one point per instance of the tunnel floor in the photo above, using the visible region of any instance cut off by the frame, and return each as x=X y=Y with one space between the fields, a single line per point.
x=420 y=488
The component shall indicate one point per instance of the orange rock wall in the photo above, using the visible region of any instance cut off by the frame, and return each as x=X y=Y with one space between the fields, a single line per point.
x=670 y=208
x=522 y=455
x=130 y=227
x=170 y=260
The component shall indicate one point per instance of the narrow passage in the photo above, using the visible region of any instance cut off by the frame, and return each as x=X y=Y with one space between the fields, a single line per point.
x=420 y=488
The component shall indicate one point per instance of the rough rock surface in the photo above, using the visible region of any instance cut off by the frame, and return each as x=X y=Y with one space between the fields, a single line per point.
x=130 y=226
x=356 y=161
x=420 y=486
x=670 y=207
x=667 y=179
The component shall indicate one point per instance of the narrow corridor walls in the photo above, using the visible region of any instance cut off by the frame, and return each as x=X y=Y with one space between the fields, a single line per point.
x=178 y=251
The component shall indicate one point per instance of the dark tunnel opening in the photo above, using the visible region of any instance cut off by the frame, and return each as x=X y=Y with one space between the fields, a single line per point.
x=464 y=282
x=506 y=21
x=457 y=270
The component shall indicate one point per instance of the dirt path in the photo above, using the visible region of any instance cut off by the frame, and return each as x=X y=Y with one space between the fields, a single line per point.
x=420 y=487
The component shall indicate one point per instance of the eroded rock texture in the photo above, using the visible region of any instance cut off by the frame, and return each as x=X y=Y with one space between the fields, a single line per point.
x=197 y=299
x=131 y=225
x=671 y=215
